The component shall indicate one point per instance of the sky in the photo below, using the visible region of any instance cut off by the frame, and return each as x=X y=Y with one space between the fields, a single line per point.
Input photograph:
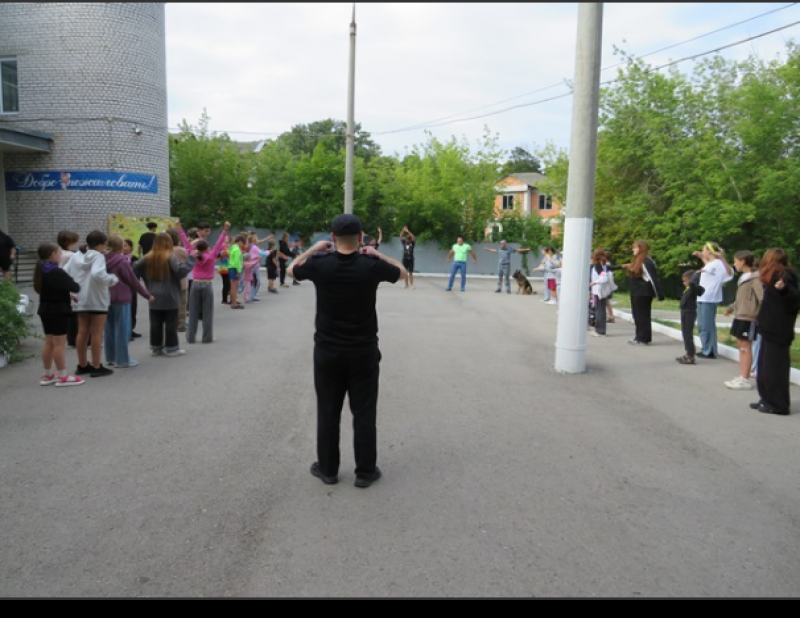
x=447 y=70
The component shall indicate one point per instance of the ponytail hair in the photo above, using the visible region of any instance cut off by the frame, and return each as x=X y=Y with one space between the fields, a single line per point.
x=43 y=253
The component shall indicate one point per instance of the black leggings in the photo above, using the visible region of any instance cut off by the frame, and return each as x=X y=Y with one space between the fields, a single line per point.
x=226 y=288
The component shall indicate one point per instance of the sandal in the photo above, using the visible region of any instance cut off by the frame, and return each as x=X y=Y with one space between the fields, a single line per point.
x=70 y=381
x=686 y=360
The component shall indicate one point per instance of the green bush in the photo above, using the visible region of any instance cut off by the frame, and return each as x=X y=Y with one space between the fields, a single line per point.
x=14 y=326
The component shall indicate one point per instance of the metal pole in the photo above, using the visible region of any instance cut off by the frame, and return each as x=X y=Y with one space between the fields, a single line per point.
x=350 y=134
x=573 y=306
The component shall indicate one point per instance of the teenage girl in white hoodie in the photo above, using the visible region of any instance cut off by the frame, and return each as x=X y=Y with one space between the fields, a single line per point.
x=88 y=268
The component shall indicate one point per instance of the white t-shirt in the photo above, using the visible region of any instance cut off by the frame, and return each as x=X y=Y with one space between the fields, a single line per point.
x=713 y=276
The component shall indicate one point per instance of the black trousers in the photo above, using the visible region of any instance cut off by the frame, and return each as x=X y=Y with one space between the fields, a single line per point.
x=688 y=318
x=164 y=329
x=354 y=374
x=72 y=330
x=641 y=309
x=226 y=288
x=772 y=379
x=134 y=309
x=282 y=265
x=600 y=314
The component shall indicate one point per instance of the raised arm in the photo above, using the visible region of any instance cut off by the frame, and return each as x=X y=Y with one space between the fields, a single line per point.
x=223 y=237
x=184 y=240
x=322 y=245
x=490 y=249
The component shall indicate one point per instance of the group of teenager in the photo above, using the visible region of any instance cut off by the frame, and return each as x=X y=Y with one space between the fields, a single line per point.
x=764 y=312
x=87 y=292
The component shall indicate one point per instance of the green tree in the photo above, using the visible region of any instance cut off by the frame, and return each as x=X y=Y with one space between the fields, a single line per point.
x=443 y=190
x=304 y=138
x=711 y=156
x=520 y=161
x=208 y=176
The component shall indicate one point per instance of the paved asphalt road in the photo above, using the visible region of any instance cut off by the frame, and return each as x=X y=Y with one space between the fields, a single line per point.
x=188 y=477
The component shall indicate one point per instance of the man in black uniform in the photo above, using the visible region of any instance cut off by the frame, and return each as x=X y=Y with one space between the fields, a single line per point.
x=346 y=355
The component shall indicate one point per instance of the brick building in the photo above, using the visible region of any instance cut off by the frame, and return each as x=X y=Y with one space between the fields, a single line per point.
x=520 y=193
x=83 y=116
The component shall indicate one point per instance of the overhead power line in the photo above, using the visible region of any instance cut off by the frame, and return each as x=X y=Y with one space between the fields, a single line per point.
x=452 y=118
x=613 y=66
x=567 y=94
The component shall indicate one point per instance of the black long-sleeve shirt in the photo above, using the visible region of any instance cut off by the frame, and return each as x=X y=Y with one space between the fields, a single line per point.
x=778 y=312
x=54 y=299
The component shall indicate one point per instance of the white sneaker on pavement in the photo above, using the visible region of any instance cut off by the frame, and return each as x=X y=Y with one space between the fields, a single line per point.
x=739 y=384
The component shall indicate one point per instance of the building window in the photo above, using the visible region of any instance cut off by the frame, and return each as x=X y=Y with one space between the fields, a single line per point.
x=9 y=102
x=508 y=202
x=545 y=202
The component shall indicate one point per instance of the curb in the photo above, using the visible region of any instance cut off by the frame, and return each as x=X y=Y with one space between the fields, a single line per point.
x=724 y=351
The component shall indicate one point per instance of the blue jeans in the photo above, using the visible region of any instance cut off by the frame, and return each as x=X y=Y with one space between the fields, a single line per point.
x=462 y=266
x=756 y=348
x=504 y=270
x=707 y=327
x=257 y=277
x=117 y=334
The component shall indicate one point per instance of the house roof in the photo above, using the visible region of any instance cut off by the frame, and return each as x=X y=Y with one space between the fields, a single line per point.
x=529 y=178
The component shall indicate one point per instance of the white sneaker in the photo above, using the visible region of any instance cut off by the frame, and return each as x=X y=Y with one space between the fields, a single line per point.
x=596 y=334
x=739 y=384
x=175 y=353
x=551 y=302
x=131 y=363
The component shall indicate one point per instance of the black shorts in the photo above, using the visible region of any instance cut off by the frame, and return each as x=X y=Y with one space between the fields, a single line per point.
x=744 y=330
x=408 y=264
x=55 y=325
x=272 y=273
x=5 y=264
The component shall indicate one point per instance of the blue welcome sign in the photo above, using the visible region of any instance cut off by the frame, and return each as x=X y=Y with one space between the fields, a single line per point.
x=81 y=181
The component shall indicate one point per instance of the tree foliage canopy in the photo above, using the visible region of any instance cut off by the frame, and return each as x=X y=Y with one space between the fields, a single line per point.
x=684 y=159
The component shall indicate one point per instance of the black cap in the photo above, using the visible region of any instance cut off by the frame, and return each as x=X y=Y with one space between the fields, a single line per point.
x=346 y=225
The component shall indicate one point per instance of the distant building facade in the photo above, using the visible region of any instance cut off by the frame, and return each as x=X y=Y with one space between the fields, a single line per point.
x=83 y=116
x=520 y=193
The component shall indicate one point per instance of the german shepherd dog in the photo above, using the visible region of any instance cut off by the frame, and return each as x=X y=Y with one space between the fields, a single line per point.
x=524 y=286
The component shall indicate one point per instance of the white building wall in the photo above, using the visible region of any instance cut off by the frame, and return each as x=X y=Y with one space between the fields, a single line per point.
x=88 y=73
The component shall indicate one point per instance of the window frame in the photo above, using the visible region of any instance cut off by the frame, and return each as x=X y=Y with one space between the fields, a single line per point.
x=4 y=60
x=545 y=202
x=508 y=202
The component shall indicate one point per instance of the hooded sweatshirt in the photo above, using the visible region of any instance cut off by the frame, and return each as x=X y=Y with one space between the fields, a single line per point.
x=89 y=271
x=122 y=293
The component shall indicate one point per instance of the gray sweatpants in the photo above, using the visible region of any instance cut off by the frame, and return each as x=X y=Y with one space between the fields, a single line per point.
x=201 y=302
